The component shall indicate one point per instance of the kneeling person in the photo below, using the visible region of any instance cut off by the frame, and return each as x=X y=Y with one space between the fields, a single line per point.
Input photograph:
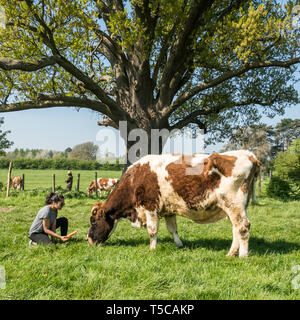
x=46 y=222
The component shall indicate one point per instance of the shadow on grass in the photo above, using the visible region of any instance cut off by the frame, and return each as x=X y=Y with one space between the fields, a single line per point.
x=257 y=246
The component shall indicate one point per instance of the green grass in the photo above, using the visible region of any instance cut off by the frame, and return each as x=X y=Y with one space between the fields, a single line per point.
x=123 y=268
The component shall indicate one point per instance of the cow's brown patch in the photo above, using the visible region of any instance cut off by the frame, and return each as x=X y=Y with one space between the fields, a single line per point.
x=194 y=188
x=223 y=163
x=138 y=187
x=16 y=182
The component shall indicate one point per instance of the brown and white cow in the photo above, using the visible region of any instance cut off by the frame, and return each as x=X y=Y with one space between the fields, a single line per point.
x=203 y=188
x=104 y=184
x=16 y=182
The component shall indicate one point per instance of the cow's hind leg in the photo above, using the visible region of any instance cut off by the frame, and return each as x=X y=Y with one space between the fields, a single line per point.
x=172 y=227
x=152 y=227
x=241 y=232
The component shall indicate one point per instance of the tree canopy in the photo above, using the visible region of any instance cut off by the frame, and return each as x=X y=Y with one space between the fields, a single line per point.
x=4 y=142
x=153 y=63
x=256 y=138
x=265 y=140
x=84 y=151
x=287 y=164
x=286 y=132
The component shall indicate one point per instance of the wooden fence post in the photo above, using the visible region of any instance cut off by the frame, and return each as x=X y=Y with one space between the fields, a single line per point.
x=78 y=181
x=23 y=181
x=53 y=183
x=96 y=184
x=8 y=179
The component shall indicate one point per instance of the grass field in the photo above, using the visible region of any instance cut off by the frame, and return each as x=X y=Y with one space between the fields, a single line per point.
x=124 y=268
x=43 y=178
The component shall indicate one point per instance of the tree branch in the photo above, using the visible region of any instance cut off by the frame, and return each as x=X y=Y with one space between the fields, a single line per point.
x=44 y=101
x=107 y=122
x=192 y=117
x=14 y=64
x=71 y=68
x=225 y=76
x=182 y=45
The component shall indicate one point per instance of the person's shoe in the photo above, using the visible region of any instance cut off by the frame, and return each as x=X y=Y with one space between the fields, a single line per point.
x=32 y=243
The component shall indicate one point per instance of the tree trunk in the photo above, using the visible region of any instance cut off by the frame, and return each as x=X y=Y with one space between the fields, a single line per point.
x=150 y=142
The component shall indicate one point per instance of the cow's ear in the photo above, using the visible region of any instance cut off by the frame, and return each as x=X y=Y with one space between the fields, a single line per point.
x=94 y=211
x=208 y=164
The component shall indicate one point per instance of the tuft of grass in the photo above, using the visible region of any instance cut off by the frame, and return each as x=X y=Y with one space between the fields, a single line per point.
x=124 y=268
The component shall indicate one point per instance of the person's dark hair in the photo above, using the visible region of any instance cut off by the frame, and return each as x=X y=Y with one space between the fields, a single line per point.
x=54 y=197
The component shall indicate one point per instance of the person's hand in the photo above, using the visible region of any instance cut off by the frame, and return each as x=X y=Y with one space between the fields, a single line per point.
x=64 y=239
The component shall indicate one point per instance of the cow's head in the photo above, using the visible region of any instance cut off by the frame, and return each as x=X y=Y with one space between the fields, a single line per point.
x=102 y=225
x=91 y=188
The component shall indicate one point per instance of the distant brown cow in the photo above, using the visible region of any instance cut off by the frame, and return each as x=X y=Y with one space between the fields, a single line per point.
x=16 y=182
x=104 y=184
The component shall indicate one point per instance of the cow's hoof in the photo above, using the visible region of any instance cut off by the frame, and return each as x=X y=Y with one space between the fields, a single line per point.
x=243 y=255
x=232 y=254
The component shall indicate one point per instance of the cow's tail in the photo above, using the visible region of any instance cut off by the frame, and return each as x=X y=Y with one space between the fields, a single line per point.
x=256 y=170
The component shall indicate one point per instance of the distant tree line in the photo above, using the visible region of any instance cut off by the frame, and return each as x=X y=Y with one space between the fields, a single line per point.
x=35 y=154
x=66 y=164
x=84 y=151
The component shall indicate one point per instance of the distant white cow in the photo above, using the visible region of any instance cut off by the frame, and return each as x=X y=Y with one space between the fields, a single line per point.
x=104 y=184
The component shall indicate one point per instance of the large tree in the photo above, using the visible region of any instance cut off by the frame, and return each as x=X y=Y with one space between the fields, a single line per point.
x=153 y=63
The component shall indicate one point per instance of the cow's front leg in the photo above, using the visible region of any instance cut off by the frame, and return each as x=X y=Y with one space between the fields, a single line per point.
x=172 y=228
x=152 y=227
